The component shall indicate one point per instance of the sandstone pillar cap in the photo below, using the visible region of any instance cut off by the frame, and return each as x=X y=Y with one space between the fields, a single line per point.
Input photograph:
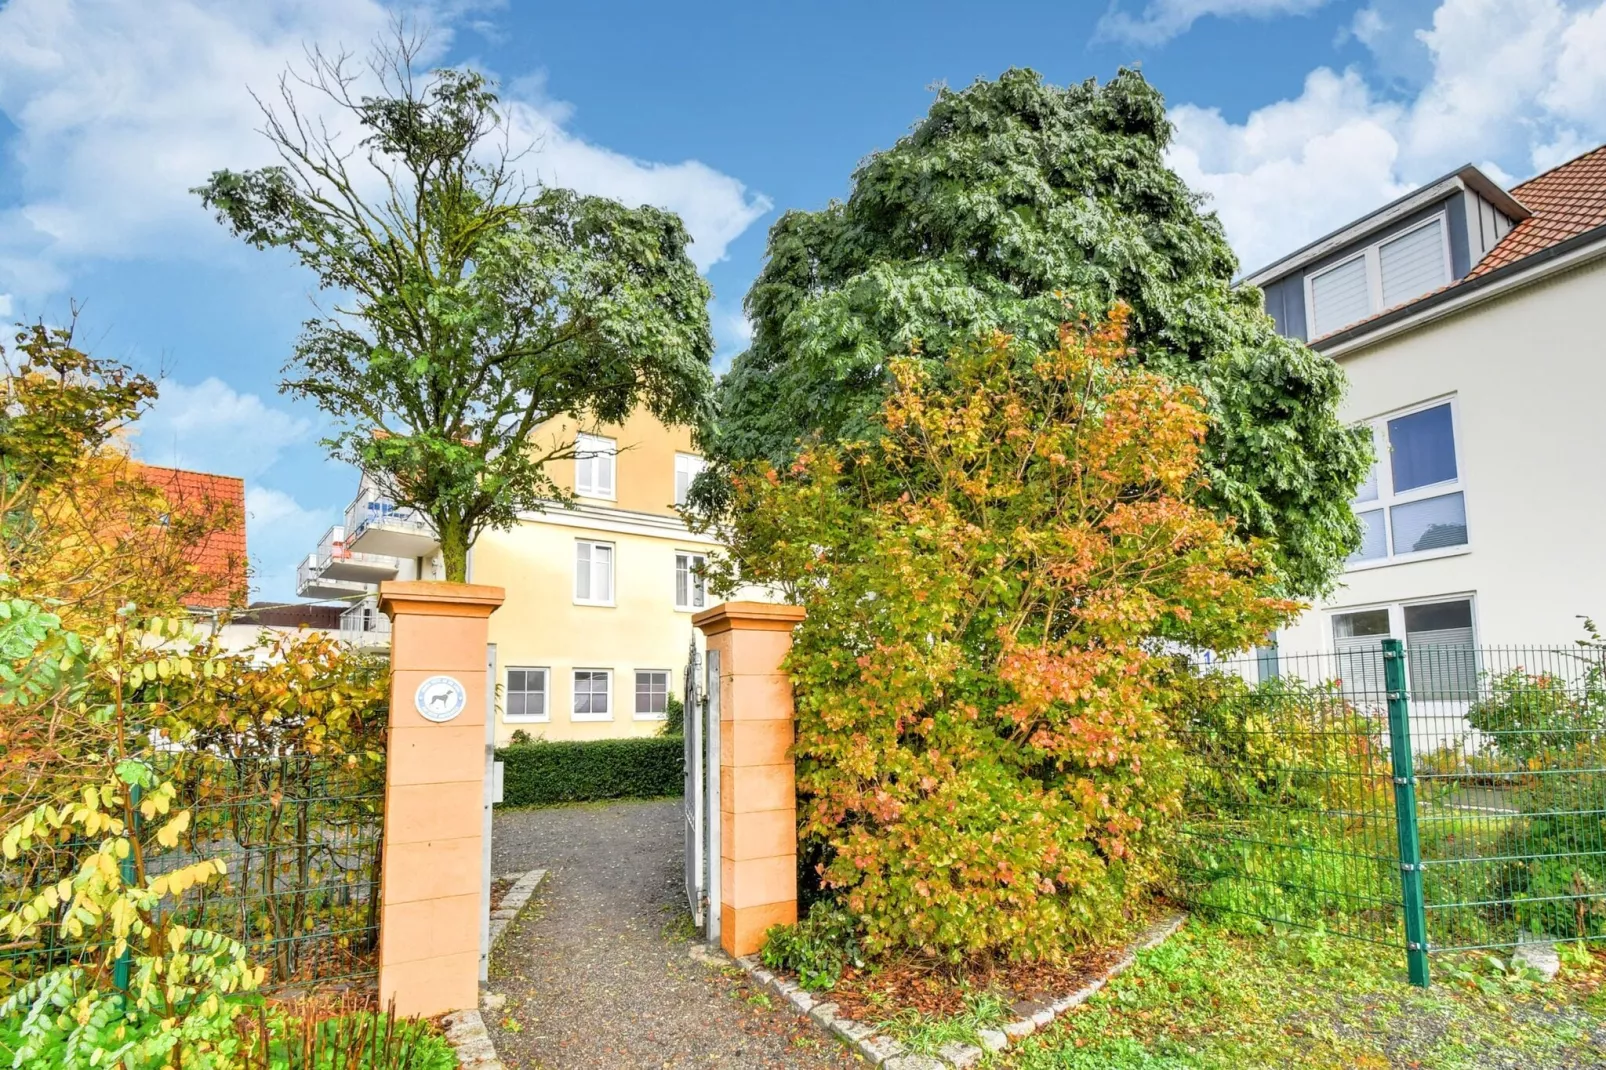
x=439 y=598
x=750 y=616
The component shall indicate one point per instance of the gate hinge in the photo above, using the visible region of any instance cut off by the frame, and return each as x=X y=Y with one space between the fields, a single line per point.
x=1411 y=867
x=1404 y=780
x=1412 y=945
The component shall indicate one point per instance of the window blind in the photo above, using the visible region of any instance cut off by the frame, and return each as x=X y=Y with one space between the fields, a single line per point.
x=1440 y=655
x=1412 y=264
x=1340 y=297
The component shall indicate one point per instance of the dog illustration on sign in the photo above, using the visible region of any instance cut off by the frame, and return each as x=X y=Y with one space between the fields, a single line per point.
x=440 y=698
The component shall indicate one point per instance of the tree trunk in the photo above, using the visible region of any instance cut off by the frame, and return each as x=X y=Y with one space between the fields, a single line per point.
x=454 y=549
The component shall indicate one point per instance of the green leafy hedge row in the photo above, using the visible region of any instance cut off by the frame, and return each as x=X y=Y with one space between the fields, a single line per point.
x=537 y=774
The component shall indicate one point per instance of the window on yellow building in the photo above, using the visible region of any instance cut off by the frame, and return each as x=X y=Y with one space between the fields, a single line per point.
x=525 y=696
x=691 y=585
x=593 y=691
x=687 y=468
x=652 y=693
x=594 y=466
x=593 y=573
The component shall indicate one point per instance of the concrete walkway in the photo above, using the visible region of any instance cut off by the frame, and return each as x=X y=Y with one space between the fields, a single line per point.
x=598 y=971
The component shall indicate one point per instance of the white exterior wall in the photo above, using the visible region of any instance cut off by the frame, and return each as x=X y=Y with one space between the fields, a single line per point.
x=1528 y=374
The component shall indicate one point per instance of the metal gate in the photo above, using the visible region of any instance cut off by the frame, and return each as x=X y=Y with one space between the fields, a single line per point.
x=692 y=796
x=701 y=799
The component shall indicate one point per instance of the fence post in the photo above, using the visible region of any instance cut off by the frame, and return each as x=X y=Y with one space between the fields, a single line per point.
x=122 y=968
x=1416 y=922
x=757 y=820
x=430 y=897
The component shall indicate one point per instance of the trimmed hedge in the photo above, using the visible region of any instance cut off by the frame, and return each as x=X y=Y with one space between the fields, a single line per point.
x=538 y=774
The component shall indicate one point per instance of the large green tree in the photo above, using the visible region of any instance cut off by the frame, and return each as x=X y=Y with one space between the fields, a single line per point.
x=1016 y=205
x=469 y=307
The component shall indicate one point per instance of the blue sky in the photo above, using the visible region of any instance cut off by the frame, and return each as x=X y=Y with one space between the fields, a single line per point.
x=1294 y=115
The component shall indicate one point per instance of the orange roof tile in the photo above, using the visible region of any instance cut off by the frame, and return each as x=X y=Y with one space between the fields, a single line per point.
x=1566 y=201
x=220 y=556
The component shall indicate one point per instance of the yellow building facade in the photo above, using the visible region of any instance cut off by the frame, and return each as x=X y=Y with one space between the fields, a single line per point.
x=593 y=636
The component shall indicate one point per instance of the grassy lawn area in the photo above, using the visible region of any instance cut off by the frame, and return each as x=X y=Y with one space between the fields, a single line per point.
x=1209 y=999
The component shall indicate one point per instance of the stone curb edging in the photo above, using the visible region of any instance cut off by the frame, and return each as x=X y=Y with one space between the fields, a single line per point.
x=882 y=1050
x=465 y=1030
x=516 y=899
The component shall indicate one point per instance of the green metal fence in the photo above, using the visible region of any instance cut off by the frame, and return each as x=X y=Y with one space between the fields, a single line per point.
x=300 y=836
x=1432 y=797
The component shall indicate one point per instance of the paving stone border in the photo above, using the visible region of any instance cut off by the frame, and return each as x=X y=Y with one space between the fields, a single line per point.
x=882 y=1050
x=465 y=1030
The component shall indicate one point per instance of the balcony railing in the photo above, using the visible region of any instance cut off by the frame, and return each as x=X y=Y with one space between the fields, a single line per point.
x=313 y=582
x=337 y=561
x=364 y=625
x=377 y=525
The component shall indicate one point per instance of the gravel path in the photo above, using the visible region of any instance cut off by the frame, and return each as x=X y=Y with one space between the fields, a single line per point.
x=597 y=971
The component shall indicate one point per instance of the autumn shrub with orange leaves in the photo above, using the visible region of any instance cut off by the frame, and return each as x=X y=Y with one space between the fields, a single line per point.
x=993 y=588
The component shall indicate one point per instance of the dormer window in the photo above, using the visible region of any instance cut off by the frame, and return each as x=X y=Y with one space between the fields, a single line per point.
x=1382 y=276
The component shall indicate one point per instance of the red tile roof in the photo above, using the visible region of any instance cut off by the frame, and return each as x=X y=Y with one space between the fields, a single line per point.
x=220 y=555
x=1566 y=201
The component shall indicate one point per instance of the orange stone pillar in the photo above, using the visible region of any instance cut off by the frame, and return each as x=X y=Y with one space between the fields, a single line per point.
x=429 y=906
x=757 y=793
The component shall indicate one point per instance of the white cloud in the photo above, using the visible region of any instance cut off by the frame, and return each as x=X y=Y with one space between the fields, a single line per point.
x=715 y=207
x=5 y=304
x=1517 y=83
x=1579 y=89
x=1161 y=20
x=121 y=106
x=279 y=532
x=1297 y=167
x=1369 y=26
x=211 y=427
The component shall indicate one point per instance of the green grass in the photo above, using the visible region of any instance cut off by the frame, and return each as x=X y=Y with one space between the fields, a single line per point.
x=924 y=1034
x=1207 y=999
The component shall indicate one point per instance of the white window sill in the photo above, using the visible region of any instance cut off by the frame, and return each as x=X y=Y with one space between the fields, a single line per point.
x=596 y=497
x=1407 y=559
x=525 y=719
x=650 y=717
x=690 y=609
x=597 y=717
x=592 y=602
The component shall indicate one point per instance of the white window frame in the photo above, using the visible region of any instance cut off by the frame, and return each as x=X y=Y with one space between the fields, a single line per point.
x=574 y=690
x=1396 y=612
x=1374 y=273
x=669 y=691
x=598 y=449
x=613 y=570
x=1386 y=497
x=691 y=556
x=546 y=690
x=695 y=464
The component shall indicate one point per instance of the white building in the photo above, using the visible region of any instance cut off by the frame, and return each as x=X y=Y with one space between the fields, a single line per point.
x=1471 y=323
